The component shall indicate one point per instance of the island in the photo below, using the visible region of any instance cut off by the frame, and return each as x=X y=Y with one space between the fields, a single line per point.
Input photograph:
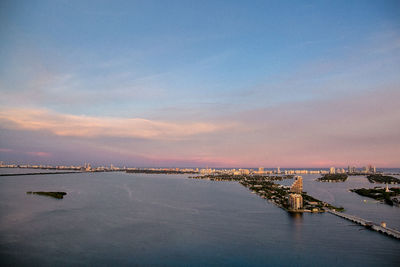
x=388 y=196
x=58 y=195
x=382 y=179
x=333 y=177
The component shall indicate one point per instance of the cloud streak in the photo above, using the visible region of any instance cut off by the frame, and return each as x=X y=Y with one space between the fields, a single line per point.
x=89 y=126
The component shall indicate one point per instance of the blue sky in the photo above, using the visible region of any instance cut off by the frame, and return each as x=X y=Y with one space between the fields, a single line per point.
x=182 y=62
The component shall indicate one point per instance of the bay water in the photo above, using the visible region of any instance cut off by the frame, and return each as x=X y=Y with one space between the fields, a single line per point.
x=119 y=219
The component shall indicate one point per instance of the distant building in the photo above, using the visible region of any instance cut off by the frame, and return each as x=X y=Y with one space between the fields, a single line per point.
x=352 y=169
x=295 y=201
x=340 y=171
x=369 y=169
x=88 y=167
x=244 y=172
x=278 y=170
x=297 y=186
x=332 y=170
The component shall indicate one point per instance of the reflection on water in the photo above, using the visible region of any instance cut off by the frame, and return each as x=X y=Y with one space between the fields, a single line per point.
x=296 y=223
x=296 y=216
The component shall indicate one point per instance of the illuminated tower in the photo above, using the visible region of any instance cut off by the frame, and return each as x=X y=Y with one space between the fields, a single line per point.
x=295 y=201
x=297 y=186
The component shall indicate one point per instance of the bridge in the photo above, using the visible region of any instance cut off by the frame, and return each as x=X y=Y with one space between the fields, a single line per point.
x=368 y=224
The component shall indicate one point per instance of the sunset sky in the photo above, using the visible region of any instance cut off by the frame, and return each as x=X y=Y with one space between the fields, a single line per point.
x=200 y=83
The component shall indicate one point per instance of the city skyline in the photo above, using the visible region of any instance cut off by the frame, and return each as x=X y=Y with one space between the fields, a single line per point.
x=187 y=84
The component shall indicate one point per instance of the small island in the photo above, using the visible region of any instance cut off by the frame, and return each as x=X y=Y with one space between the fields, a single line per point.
x=58 y=195
x=388 y=196
x=382 y=179
x=333 y=177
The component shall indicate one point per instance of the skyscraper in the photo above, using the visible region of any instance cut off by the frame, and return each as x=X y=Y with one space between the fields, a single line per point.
x=297 y=186
x=295 y=201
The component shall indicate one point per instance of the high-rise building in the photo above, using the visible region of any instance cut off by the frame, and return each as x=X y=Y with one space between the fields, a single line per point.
x=332 y=170
x=88 y=167
x=278 y=170
x=297 y=186
x=352 y=169
x=295 y=201
x=366 y=169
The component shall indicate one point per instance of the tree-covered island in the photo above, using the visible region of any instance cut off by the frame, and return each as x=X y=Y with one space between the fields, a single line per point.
x=333 y=177
x=382 y=179
x=58 y=195
x=387 y=196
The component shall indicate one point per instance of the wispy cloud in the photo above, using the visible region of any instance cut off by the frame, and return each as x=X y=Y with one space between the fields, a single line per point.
x=38 y=154
x=86 y=126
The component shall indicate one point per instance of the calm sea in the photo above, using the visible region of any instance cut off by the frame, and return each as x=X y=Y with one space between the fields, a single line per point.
x=114 y=219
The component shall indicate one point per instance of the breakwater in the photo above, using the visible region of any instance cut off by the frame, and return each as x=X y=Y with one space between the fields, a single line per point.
x=35 y=173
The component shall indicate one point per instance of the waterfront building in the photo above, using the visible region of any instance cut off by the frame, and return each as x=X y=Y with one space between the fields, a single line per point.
x=297 y=186
x=88 y=167
x=278 y=170
x=332 y=170
x=295 y=201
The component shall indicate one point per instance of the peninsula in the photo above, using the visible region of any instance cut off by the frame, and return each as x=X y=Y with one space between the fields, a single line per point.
x=388 y=196
x=278 y=194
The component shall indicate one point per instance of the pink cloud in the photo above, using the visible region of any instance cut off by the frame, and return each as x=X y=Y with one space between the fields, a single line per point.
x=5 y=150
x=39 y=154
x=86 y=126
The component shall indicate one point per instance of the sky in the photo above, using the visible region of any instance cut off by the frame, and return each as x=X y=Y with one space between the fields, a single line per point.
x=200 y=83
